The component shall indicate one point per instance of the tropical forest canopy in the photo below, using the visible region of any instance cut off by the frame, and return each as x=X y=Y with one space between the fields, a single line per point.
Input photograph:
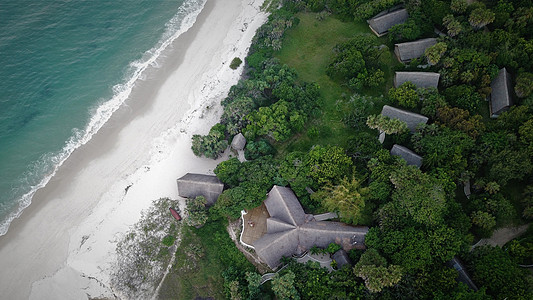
x=311 y=116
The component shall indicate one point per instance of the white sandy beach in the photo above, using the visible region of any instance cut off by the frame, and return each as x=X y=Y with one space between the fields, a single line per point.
x=62 y=246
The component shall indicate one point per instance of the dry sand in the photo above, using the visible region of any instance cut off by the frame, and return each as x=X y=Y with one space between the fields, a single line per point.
x=63 y=245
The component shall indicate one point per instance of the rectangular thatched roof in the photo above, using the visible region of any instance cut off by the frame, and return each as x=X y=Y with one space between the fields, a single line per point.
x=411 y=50
x=420 y=79
x=322 y=234
x=408 y=117
x=281 y=203
x=463 y=276
x=382 y=22
x=409 y=156
x=192 y=185
x=500 y=97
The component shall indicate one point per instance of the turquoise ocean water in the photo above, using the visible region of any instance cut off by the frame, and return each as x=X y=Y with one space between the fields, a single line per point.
x=65 y=66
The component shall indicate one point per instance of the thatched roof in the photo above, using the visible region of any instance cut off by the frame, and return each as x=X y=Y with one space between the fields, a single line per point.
x=382 y=22
x=408 y=117
x=409 y=156
x=323 y=233
x=193 y=185
x=463 y=276
x=282 y=204
x=466 y=188
x=276 y=225
x=291 y=231
x=271 y=247
x=342 y=258
x=238 y=143
x=420 y=79
x=411 y=50
x=500 y=97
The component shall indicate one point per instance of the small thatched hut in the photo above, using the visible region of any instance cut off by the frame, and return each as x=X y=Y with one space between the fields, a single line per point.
x=193 y=185
x=420 y=79
x=382 y=22
x=408 y=117
x=405 y=52
x=342 y=258
x=239 y=142
x=409 y=156
x=501 y=95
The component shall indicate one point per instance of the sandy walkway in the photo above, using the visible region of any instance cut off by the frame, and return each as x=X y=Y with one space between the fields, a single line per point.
x=63 y=245
x=501 y=236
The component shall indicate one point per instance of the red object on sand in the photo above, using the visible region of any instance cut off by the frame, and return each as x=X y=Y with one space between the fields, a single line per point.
x=175 y=214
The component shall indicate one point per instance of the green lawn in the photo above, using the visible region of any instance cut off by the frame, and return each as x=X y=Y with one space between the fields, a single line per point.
x=308 y=48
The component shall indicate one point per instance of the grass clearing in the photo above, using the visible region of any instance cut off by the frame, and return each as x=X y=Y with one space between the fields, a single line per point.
x=308 y=48
x=196 y=271
x=201 y=258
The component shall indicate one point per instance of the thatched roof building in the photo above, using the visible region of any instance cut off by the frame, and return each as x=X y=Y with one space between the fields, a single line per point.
x=291 y=231
x=342 y=258
x=408 y=117
x=409 y=156
x=500 y=97
x=193 y=185
x=238 y=142
x=382 y=22
x=463 y=276
x=405 y=52
x=420 y=79
x=283 y=205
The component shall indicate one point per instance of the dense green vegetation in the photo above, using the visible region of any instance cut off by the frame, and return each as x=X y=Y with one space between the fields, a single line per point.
x=308 y=48
x=316 y=80
x=235 y=63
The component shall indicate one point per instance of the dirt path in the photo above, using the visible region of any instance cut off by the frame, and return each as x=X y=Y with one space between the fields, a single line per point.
x=503 y=235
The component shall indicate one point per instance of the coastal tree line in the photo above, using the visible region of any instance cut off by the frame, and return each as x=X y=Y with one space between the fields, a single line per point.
x=419 y=218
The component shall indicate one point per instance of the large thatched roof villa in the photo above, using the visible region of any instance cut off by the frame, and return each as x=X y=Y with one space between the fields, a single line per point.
x=290 y=231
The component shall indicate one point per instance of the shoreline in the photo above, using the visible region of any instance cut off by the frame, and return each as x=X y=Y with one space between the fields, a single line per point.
x=66 y=238
x=102 y=112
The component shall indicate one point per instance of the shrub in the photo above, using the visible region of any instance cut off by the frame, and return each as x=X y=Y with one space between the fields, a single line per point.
x=464 y=96
x=168 y=240
x=257 y=149
x=332 y=248
x=405 y=95
x=328 y=163
x=196 y=211
x=235 y=63
x=211 y=145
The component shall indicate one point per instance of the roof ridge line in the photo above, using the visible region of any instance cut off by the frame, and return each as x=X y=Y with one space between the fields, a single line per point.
x=285 y=205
